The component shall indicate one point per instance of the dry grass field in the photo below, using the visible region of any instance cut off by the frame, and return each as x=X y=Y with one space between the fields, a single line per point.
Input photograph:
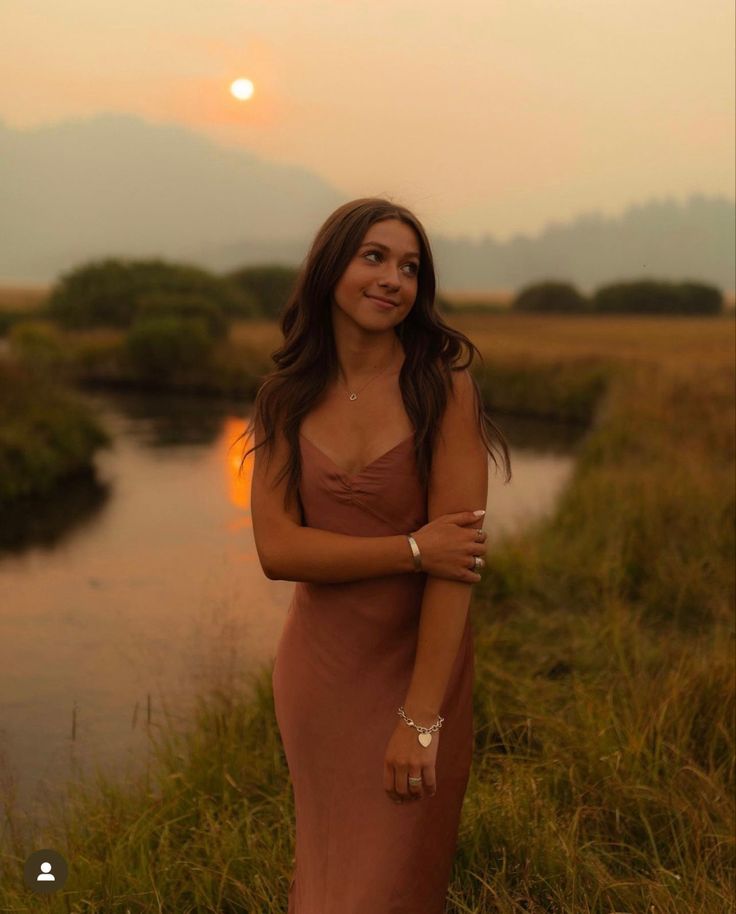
x=677 y=343
x=674 y=342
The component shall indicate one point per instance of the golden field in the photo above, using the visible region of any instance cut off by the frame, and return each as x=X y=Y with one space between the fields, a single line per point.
x=673 y=342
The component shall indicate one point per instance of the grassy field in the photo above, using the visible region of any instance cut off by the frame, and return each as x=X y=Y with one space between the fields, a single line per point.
x=603 y=775
x=673 y=343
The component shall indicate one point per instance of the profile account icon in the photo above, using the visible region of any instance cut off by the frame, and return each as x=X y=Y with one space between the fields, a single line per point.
x=46 y=875
x=45 y=871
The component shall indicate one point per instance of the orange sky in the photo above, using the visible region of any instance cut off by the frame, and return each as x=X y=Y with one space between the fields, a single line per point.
x=483 y=115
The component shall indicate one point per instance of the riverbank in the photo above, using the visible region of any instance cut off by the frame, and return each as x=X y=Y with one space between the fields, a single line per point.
x=603 y=770
x=46 y=435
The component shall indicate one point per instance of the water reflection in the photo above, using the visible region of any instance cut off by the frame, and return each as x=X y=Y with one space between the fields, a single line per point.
x=162 y=419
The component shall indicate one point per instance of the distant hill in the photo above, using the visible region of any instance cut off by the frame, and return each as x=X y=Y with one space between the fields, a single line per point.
x=661 y=239
x=118 y=185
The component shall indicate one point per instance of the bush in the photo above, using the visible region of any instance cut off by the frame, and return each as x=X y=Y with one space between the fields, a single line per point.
x=658 y=297
x=269 y=286
x=108 y=292
x=46 y=435
x=39 y=346
x=160 y=304
x=550 y=298
x=158 y=347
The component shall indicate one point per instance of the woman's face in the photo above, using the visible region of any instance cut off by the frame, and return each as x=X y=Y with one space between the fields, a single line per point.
x=386 y=265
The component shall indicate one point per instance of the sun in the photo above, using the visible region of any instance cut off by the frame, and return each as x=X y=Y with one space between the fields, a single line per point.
x=241 y=89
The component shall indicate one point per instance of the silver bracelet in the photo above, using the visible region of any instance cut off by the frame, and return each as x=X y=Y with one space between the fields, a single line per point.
x=415 y=552
x=425 y=733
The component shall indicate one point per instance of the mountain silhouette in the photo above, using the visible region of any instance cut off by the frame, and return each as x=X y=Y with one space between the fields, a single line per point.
x=116 y=185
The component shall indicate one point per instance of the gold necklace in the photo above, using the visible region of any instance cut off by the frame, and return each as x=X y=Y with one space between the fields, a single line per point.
x=354 y=395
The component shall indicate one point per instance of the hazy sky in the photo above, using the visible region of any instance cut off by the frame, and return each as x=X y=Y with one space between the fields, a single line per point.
x=483 y=115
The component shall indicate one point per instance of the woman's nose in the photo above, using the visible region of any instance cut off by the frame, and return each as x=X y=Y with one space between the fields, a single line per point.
x=392 y=276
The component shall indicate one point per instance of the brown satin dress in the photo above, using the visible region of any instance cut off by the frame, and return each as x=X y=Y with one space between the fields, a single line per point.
x=342 y=668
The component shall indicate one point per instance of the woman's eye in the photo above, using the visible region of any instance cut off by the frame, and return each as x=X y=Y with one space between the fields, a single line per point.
x=414 y=267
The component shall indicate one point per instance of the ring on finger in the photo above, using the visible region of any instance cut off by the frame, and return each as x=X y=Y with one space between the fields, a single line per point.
x=415 y=787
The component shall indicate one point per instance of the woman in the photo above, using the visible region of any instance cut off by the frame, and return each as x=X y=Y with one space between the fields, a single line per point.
x=376 y=446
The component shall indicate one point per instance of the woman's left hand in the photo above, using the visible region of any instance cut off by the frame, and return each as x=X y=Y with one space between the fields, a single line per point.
x=406 y=757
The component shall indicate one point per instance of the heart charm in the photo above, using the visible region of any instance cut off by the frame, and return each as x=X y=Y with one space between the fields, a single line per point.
x=425 y=739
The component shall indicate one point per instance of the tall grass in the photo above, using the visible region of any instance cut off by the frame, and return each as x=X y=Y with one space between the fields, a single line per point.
x=603 y=776
x=605 y=721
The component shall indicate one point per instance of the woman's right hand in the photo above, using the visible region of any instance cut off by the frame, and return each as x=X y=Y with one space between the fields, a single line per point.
x=448 y=545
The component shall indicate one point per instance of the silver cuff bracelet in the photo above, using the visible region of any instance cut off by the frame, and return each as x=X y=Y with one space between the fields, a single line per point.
x=415 y=552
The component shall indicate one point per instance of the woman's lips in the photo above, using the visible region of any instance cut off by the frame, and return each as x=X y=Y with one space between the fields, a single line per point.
x=382 y=303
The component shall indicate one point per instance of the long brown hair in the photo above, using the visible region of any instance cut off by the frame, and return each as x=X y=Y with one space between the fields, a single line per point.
x=307 y=360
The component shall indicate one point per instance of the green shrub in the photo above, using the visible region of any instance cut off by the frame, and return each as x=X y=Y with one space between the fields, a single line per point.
x=550 y=297
x=107 y=292
x=184 y=305
x=269 y=286
x=658 y=297
x=46 y=434
x=39 y=345
x=158 y=347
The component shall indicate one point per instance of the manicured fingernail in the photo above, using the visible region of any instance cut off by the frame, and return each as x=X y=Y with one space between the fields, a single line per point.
x=479 y=513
